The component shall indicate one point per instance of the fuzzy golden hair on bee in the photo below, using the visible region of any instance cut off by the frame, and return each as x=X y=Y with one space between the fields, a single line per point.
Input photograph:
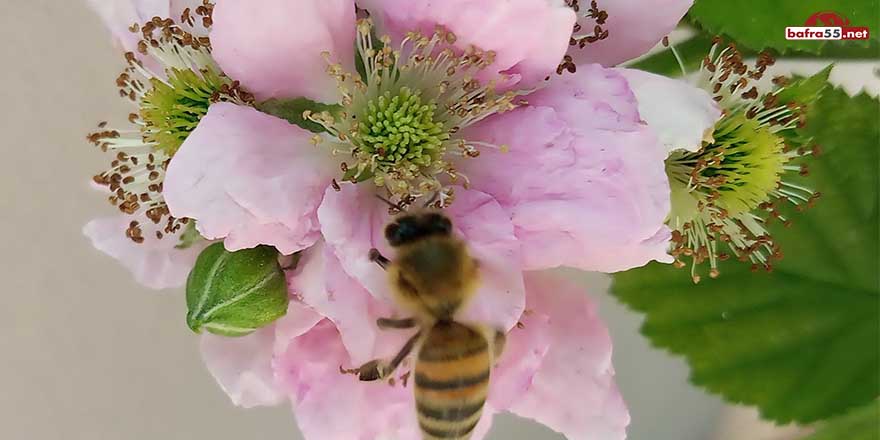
x=433 y=276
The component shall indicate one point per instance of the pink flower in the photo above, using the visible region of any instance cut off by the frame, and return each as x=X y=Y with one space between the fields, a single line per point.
x=242 y=174
x=572 y=178
x=166 y=62
x=299 y=359
x=331 y=29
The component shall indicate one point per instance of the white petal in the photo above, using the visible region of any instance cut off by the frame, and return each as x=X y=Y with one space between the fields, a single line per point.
x=681 y=115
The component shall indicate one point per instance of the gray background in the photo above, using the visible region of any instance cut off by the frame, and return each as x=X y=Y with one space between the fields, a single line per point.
x=88 y=354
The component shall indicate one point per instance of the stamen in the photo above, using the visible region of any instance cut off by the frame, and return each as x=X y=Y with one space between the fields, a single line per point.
x=402 y=119
x=726 y=193
x=169 y=106
x=598 y=16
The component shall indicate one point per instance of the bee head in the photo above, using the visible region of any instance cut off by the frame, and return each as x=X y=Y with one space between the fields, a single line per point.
x=414 y=227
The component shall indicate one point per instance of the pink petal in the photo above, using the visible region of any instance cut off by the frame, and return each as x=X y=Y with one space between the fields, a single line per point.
x=634 y=27
x=299 y=319
x=243 y=366
x=353 y=220
x=156 y=264
x=274 y=46
x=251 y=178
x=682 y=115
x=485 y=227
x=330 y=405
x=529 y=37
x=602 y=94
x=118 y=15
x=323 y=285
x=526 y=346
x=576 y=366
x=584 y=181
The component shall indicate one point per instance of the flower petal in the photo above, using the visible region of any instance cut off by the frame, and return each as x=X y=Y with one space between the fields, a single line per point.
x=323 y=285
x=331 y=405
x=156 y=264
x=682 y=115
x=274 y=47
x=634 y=27
x=243 y=366
x=352 y=221
x=584 y=181
x=529 y=37
x=486 y=228
x=251 y=178
x=119 y=15
x=577 y=366
x=524 y=352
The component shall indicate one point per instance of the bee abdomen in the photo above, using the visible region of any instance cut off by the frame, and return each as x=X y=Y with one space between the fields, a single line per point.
x=458 y=432
x=449 y=420
x=451 y=381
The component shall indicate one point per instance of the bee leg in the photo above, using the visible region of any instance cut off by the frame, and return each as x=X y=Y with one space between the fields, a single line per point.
x=404 y=352
x=367 y=372
x=378 y=369
x=379 y=259
x=386 y=323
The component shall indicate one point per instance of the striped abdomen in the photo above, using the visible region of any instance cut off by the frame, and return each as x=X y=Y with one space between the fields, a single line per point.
x=451 y=381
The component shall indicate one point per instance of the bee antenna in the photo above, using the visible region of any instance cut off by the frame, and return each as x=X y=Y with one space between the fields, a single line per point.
x=389 y=203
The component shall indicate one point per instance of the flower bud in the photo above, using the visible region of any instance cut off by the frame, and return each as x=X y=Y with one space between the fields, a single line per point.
x=235 y=293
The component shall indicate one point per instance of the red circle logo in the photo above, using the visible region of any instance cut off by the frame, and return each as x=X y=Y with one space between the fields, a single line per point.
x=827 y=18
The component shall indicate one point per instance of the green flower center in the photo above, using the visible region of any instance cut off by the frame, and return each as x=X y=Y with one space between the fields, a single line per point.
x=401 y=127
x=739 y=170
x=172 y=108
x=402 y=117
x=724 y=195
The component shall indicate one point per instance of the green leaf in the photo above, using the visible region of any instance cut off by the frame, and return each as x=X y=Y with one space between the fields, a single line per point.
x=292 y=110
x=759 y=24
x=693 y=50
x=805 y=90
x=235 y=293
x=801 y=343
x=859 y=424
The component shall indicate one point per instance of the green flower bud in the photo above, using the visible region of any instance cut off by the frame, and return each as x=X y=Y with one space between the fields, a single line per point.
x=235 y=293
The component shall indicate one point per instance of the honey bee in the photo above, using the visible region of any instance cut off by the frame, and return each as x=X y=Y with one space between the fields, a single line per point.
x=432 y=277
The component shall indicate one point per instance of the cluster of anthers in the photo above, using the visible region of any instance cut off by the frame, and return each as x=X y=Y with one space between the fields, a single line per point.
x=401 y=117
x=580 y=39
x=728 y=191
x=169 y=104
